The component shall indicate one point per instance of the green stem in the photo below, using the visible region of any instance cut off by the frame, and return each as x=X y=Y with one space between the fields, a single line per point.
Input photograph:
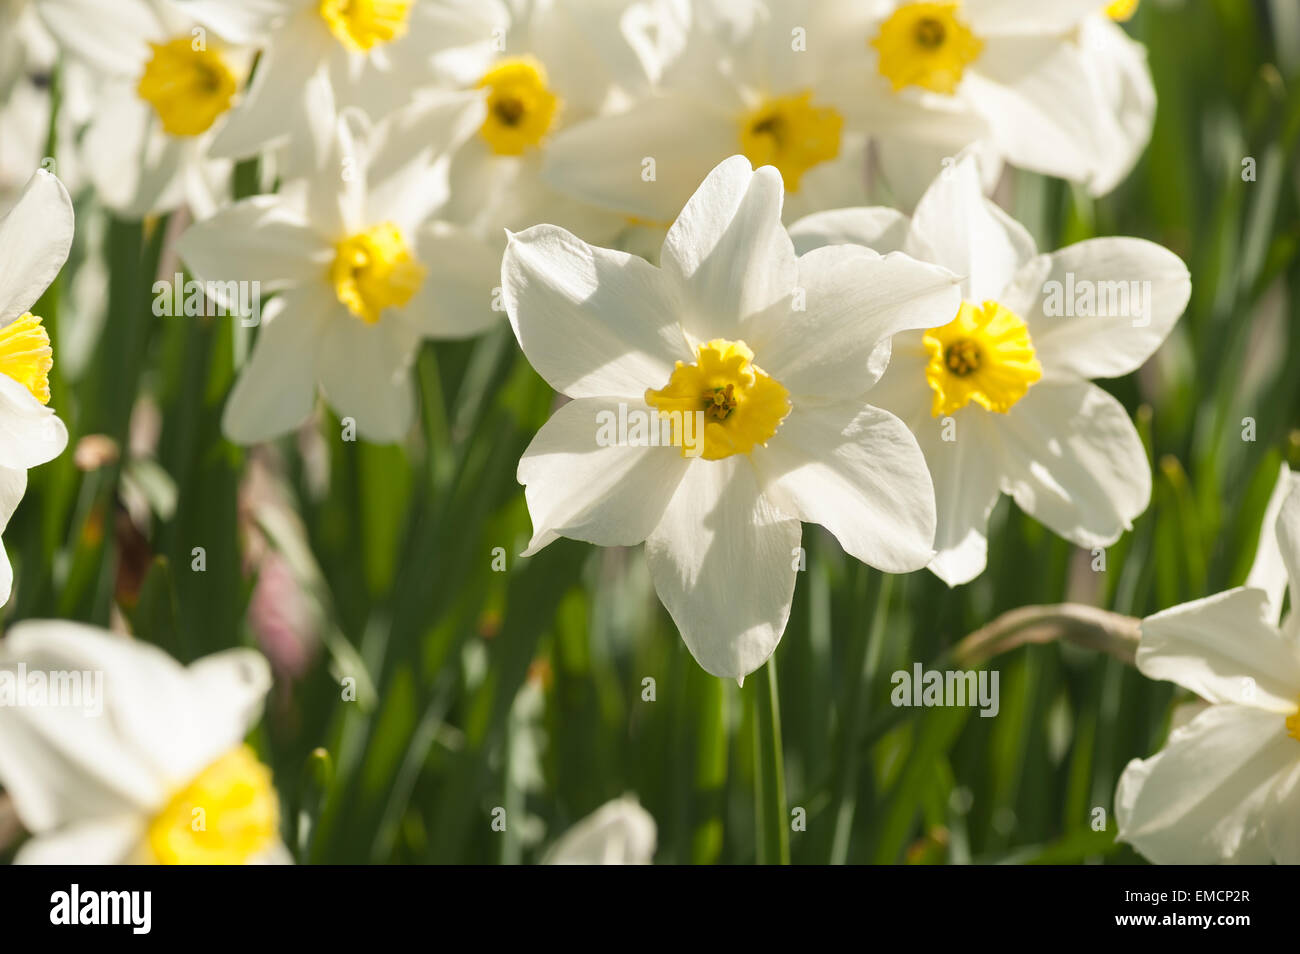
x=771 y=817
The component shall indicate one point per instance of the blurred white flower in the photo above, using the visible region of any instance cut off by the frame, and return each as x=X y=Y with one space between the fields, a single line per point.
x=620 y=832
x=320 y=57
x=1226 y=785
x=34 y=241
x=363 y=278
x=138 y=759
x=553 y=64
x=774 y=355
x=1038 y=84
x=998 y=394
x=754 y=89
x=164 y=87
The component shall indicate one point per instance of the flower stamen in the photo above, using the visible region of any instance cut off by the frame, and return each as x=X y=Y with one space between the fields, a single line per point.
x=374 y=270
x=742 y=406
x=188 y=85
x=926 y=45
x=26 y=355
x=983 y=355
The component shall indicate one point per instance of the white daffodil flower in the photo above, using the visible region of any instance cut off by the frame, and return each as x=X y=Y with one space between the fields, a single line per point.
x=34 y=241
x=999 y=394
x=620 y=832
x=556 y=63
x=115 y=753
x=1226 y=785
x=720 y=399
x=1020 y=79
x=320 y=57
x=754 y=89
x=362 y=278
x=164 y=86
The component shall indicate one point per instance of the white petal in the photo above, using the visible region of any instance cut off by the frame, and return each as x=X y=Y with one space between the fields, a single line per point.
x=593 y=322
x=1072 y=459
x=241 y=21
x=30 y=433
x=365 y=374
x=602 y=160
x=729 y=252
x=964 y=467
x=6 y=576
x=262 y=239
x=138 y=169
x=34 y=241
x=161 y=723
x=957 y=227
x=462 y=274
x=1282 y=818
x=620 y=832
x=1200 y=800
x=853 y=301
x=290 y=98
x=62 y=764
x=1035 y=95
x=1118 y=67
x=276 y=390
x=114 y=840
x=1224 y=649
x=110 y=38
x=13 y=484
x=1100 y=308
x=876 y=227
x=606 y=495
x=1269 y=571
x=905 y=167
x=1027 y=16
x=723 y=563
x=857 y=471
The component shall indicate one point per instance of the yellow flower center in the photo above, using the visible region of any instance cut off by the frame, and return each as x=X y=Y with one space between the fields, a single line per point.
x=188 y=85
x=374 y=270
x=983 y=355
x=228 y=815
x=26 y=355
x=362 y=25
x=741 y=405
x=789 y=132
x=1293 y=725
x=926 y=45
x=1121 y=9
x=520 y=107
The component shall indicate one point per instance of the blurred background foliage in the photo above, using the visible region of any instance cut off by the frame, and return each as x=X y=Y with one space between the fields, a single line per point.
x=426 y=678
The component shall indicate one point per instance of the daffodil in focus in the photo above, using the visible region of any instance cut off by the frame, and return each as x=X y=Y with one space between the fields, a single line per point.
x=1225 y=788
x=161 y=95
x=749 y=371
x=757 y=90
x=320 y=57
x=1043 y=86
x=999 y=393
x=130 y=757
x=620 y=832
x=34 y=241
x=362 y=277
